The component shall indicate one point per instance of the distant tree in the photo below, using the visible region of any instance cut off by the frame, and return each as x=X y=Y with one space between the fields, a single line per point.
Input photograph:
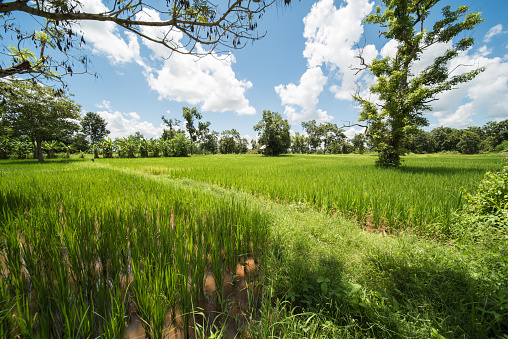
x=229 y=142
x=358 y=142
x=253 y=144
x=137 y=136
x=190 y=115
x=274 y=133
x=496 y=131
x=403 y=94
x=422 y=142
x=38 y=112
x=299 y=144
x=469 y=142
x=80 y=143
x=333 y=138
x=172 y=124
x=209 y=142
x=445 y=138
x=313 y=134
x=94 y=127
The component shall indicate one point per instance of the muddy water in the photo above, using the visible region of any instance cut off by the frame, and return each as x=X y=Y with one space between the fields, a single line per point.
x=242 y=291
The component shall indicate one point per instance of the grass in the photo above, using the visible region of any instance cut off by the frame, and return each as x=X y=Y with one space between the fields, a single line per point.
x=420 y=195
x=87 y=246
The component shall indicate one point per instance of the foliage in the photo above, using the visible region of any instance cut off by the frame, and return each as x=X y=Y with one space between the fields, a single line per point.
x=404 y=96
x=50 y=47
x=274 y=133
x=94 y=127
x=189 y=115
x=38 y=112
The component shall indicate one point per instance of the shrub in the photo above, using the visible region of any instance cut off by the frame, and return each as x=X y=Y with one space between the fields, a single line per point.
x=502 y=146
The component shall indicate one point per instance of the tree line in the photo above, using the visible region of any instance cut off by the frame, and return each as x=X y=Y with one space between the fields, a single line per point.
x=40 y=121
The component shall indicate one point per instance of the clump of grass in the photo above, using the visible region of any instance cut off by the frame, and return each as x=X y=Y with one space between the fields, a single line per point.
x=82 y=243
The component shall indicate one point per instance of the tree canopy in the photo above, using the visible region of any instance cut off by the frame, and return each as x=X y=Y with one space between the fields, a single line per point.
x=403 y=95
x=38 y=112
x=94 y=127
x=275 y=135
x=52 y=49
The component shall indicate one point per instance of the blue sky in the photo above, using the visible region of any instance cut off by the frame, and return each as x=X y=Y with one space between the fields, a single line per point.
x=299 y=69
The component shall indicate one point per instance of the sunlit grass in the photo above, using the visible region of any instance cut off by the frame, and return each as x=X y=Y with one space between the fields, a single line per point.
x=420 y=195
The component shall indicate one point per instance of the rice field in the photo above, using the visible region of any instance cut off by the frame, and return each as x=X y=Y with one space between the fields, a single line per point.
x=84 y=247
x=135 y=248
x=421 y=195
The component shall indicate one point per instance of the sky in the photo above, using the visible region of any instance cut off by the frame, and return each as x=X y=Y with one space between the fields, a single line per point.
x=300 y=69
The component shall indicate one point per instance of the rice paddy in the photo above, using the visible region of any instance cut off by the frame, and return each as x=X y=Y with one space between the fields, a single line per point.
x=178 y=248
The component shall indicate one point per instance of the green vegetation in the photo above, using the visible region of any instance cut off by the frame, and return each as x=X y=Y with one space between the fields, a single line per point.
x=94 y=248
x=404 y=94
x=417 y=196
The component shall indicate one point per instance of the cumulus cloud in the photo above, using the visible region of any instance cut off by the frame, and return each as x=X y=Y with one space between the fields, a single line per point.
x=332 y=36
x=305 y=95
x=352 y=131
x=208 y=81
x=493 y=31
x=484 y=96
x=122 y=125
x=106 y=39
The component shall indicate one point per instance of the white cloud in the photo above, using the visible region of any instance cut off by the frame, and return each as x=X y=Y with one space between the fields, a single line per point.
x=332 y=36
x=484 y=96
x=104 y=104
x=209 y=80
x=106 y=39
x=352 y=131
x=493 y=31
x=121 y=126
x=305 y=95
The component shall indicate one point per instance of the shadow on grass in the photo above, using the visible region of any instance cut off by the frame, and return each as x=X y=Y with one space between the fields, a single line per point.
x=439 y=170
x=440 y=290
x=35 y=161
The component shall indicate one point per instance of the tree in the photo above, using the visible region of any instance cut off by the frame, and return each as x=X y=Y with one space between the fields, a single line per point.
x=189 y=114
x=313 y=134
x=469 y=142
x=38 y=112
x=298 y=144
x=274 y=133
x=94 y=127
x=169 y=134
x=358 y=142
x=51 y=48
x=403 y=95
x=228 y=143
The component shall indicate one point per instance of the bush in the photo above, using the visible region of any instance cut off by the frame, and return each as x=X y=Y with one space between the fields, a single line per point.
x=502 y=146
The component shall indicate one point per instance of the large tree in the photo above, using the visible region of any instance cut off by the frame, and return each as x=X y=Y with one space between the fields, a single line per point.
x=403 y=95
x=192 y=115
x=275 y=138
x=52 y=48
x=38 y=112
x=94 y=127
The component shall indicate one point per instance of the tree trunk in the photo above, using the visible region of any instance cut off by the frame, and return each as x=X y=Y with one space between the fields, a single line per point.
x=39 y=151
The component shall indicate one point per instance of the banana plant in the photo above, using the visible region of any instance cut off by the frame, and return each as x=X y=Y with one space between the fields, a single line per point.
x=144 y=148
x=21 y=149
x=108 y=147
x=67 y=149
x=5 y=147
x=50 y=147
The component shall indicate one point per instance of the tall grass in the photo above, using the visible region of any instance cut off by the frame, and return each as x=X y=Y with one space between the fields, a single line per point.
x=82 y=247
x=420 y=195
